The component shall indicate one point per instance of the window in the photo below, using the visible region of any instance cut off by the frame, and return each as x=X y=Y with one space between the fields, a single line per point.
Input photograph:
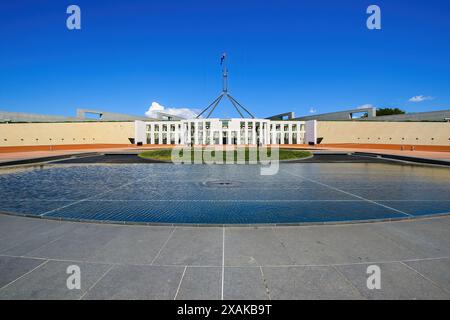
x=93 y=115
x=294 y=138
x=359 y=115
x=216 y=137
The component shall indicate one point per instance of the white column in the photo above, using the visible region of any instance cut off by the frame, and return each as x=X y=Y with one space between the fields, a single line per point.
x=168 y=134
x=175 y=134
x=152 y=134
x=204 y=132
x=253 y=132
x=290 y=133
x=196 y=133
x=184 y=132
x=188 y=133
x=246 y=132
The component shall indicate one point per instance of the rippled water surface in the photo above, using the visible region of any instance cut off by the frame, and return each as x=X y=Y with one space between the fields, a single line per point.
x=226 y=194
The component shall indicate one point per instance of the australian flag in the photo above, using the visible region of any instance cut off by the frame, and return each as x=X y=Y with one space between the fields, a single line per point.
x=222 y=58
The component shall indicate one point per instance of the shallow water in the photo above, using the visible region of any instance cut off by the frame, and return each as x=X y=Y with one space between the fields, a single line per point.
x=226 y=194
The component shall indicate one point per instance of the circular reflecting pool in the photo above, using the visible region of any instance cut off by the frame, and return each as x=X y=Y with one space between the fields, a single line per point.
x=226 y=194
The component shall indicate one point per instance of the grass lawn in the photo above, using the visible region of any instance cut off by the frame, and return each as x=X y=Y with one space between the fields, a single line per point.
x=166 y=154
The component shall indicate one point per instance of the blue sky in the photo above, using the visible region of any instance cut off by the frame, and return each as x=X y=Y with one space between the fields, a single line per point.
x=284 y=56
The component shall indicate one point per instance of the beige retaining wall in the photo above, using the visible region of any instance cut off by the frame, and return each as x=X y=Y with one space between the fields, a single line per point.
x=408 y=133
x=38 y=134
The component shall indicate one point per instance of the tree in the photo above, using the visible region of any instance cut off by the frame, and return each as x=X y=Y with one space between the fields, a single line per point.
x=389 y=111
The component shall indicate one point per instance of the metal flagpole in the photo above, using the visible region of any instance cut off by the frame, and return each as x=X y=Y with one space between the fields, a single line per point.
x=234 y=102
x=235 y=106
x=251 y=115
x=219 y=97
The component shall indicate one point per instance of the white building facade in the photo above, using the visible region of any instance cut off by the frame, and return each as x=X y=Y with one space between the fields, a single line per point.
x=215 y=131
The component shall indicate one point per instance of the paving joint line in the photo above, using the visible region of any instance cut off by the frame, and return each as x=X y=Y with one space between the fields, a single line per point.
x=349 y=282
x=223 y=261
x=179 y=284
x=24 y=275
x=351 y=194
x=230 y=266
x=96 y=282
x=86 y=199
x=425 y=277
x=266 y=286
x=163 y=246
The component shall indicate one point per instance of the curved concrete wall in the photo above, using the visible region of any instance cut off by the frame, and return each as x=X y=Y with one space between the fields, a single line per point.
x=409 y=133
x=38 y=134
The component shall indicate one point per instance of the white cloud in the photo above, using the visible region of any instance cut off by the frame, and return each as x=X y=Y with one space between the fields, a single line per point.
x=186 y=113
x=364 y=106
x=312 y=110
x=420 y=98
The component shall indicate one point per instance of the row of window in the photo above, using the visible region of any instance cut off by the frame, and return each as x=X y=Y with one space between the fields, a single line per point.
x=171 y=138
x=173 y=127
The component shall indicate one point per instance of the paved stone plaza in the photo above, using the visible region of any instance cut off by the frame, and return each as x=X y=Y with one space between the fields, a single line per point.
x=151 y=262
